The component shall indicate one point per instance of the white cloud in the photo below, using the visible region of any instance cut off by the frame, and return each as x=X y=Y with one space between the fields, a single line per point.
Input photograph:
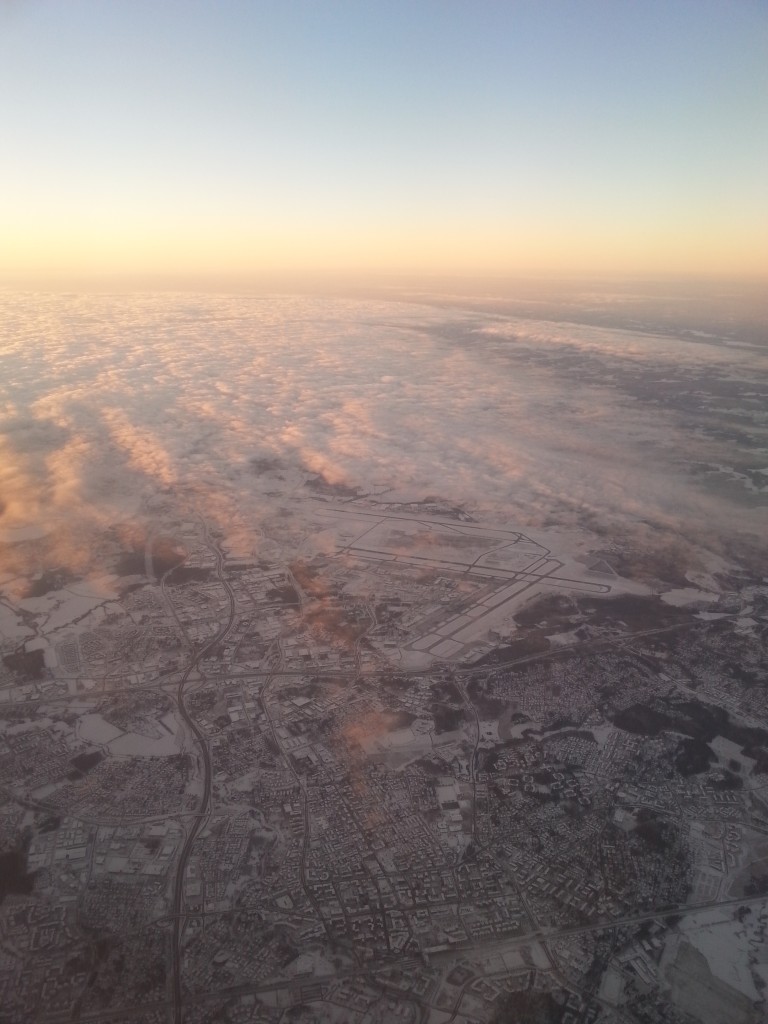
x=108 y=399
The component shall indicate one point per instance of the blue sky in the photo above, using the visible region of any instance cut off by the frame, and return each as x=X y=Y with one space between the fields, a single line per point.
x=411 y=135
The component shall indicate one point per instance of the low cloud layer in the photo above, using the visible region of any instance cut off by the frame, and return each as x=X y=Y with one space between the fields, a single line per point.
x=230 y=404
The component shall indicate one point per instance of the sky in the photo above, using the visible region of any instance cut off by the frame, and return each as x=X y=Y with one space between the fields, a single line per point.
x=379 y=137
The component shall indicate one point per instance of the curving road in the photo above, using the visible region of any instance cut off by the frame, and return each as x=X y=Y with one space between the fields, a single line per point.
x=178 y=889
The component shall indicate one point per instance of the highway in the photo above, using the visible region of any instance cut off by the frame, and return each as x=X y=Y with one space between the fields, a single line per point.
x=202 y=814
x=459 y=951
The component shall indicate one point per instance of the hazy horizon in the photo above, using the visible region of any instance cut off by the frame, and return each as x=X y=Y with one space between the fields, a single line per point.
x=383 y=493
x=198 y=140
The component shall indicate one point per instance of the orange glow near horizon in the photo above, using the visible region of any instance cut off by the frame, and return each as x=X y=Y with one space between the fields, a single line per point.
x=412 y=139
x=125 y=250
